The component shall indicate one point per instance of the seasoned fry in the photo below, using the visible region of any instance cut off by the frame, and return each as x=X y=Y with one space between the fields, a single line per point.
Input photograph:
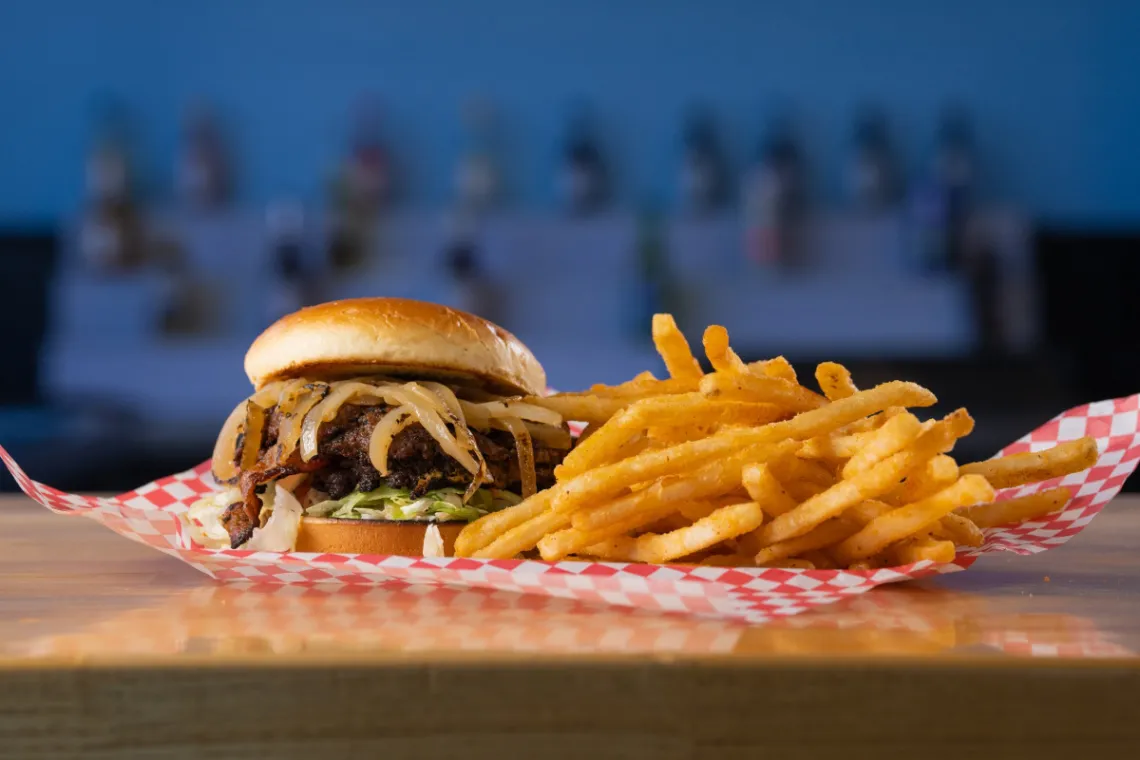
x=582 y=408
x=766 y=490
x=714 y=479
x=959 y=529
x=523 y=537
x=789 y=469
x=794 y=563
x=744 y=467
x=830 y=532
x=723 y=524
x=869 y=483
x=1022 y=509
x=674 y=349
x=480 y=533
x=779 y=368
x=835 y=381
x=1033 y=467
x=906 y=521
x=769 y=390
x=919 y=549
x=609 y=481
x=831 y=447
x=893 y=436
x=935 y=475
x=556 y=546
x=719 y=353
x=610 y=442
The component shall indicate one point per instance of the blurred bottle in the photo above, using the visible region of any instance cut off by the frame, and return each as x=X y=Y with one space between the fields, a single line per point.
x=941 y=204
x=872 y=181
x=704 y=175
x=111 y=235
x=471 y=290
x=285 y=229
x=362 y=191
x=478 y=183
x=955 y=172
x=584 y=181
x=773 y=200
x=203 y=171
x=654 y=284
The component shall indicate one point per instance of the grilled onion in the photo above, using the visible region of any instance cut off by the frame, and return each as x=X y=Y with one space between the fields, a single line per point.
x=223 y=465
x=525 y=448
x=384 y=433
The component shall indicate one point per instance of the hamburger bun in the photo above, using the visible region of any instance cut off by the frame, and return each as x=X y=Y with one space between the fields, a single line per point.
x=396 y=337
x=406 y=538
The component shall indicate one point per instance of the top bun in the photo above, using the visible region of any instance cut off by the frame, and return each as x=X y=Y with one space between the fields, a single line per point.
x=396 y=337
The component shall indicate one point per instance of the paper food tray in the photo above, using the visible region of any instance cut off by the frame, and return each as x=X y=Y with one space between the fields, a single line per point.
x=151 y=515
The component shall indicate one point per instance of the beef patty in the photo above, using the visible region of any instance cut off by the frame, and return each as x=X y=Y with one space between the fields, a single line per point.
x=415 y=461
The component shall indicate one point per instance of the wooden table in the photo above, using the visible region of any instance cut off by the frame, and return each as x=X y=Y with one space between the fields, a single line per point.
x=110 y=650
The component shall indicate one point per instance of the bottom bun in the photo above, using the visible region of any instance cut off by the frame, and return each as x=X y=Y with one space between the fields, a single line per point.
x=327 y=534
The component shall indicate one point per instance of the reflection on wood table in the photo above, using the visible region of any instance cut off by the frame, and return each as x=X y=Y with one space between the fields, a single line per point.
x=108 y=649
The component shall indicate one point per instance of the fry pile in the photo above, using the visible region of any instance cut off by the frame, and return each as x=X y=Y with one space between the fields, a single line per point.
x=746 y=467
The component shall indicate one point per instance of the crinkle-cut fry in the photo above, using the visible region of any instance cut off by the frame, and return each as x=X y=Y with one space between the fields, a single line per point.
x=1020 y=509
x=570 y=540
x=1033 y=467
x=723 y=524
x=714 y=478
x=960 y=529
x=904 y=522
x=935 y=475
x=607 y=482
x=835 y=381
x=674 y=349
x=831 y=532
x=482 y=532
x=918 y=549
x=777 y=367
x=769 y=390
x=720 y=353
x=523 y=537
x=870 y=483
x=895 y=435
x=582 y=407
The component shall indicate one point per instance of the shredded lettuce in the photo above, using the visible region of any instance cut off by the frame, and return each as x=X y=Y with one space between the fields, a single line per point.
x=387 y=503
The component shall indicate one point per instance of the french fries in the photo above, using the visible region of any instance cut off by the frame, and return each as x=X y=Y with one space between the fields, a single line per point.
x=745 y=467
x=1019 y=469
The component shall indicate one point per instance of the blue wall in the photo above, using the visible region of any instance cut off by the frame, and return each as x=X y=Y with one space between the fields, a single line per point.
x=1051 y=82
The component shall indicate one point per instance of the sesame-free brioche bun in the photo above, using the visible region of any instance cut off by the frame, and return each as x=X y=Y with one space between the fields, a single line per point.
x=396 y=337
x=327 y=535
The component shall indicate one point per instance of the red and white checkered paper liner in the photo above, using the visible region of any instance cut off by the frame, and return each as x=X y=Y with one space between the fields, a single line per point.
x=151 y=515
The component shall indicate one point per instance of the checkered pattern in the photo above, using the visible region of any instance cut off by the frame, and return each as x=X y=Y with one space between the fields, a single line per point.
x=152 y=515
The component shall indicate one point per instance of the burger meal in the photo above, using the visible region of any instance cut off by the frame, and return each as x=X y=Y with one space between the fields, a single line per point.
x=379 y=425
x=386 y=426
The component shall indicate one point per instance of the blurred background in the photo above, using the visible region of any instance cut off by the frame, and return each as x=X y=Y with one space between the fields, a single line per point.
x=942 y=191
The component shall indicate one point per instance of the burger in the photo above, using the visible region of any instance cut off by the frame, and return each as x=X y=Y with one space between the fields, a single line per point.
x=379 y=426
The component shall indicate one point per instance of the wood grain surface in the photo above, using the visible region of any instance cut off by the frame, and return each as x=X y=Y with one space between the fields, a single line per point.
x=108 y=650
